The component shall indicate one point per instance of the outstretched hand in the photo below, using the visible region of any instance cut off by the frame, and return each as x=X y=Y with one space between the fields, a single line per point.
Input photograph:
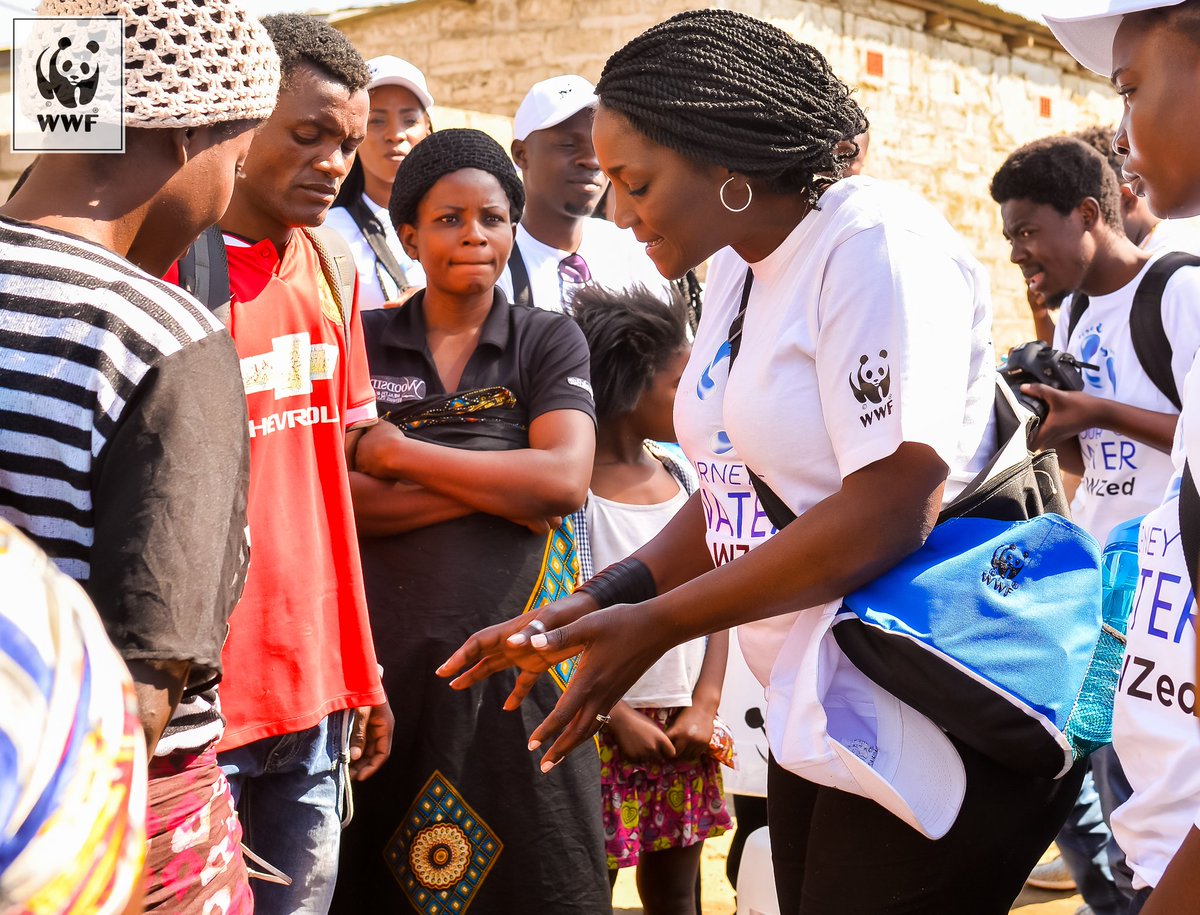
x=509 y=644
x=618 y=645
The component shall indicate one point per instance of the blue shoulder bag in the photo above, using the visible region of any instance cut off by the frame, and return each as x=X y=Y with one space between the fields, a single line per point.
x=993 y=628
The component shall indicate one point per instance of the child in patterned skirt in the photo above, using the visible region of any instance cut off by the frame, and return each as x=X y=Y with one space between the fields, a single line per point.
x=660 y=762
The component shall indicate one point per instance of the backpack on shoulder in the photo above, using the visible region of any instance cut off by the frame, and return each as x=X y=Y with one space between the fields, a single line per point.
x=1153 y=349
x=204 y=270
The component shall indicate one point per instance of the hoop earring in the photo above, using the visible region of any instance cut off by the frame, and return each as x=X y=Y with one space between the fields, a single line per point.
x=744 y=206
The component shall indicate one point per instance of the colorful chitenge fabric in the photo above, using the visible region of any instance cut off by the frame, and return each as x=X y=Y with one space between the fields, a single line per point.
x=72 y=754
x=461 y=818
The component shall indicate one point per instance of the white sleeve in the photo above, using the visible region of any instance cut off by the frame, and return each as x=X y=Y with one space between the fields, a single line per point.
x=1060 y=326
x=1181 y=321
x=504 y=284
x=895 y=346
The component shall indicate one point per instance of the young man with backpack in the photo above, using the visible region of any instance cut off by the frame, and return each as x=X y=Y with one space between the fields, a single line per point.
x=1150 y=49
x=303 y=698
x=1132 y=316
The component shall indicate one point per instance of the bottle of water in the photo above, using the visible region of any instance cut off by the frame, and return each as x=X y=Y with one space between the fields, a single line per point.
x=1120 y=573
x=1090 y=724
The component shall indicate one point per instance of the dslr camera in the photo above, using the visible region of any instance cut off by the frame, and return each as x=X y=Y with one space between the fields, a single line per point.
x=1037 y=363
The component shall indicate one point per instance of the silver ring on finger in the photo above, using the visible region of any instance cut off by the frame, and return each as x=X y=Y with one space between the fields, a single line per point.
x=603 y=719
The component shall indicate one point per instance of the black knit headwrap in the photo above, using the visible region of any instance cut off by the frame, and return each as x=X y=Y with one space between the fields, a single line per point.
x=727 y=89
x=449 y=151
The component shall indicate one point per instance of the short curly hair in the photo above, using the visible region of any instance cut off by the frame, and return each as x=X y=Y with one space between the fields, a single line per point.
x=304 y=40
x=631 y=334
x=1060 y=172
x=1100 y=139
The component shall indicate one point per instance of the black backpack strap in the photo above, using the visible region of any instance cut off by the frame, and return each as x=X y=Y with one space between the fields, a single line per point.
x=204 y=272
x=1189 y=525
x=778 y=512
x=1150 y=340
x=1079 y=304
x=376 y=235
x=522 y=293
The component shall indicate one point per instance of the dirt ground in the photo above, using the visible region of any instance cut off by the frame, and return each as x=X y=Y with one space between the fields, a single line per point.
x=719 y=899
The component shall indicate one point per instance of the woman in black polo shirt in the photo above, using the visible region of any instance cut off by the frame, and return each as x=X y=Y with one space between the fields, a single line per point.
x=488 y=445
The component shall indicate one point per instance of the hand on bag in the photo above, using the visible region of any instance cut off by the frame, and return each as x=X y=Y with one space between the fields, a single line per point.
x=639 y=739
x=1070 y=413
x=691 y=731
x=539 y=525
x=508 y=645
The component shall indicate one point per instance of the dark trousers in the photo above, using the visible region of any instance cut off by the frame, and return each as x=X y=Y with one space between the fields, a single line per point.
x=1140 y=898
x=839 y=854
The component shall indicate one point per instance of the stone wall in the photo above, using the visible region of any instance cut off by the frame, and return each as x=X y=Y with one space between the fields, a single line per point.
x=947 y=100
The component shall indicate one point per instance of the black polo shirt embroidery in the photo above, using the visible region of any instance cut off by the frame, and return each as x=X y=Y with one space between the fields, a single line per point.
x=541 y=356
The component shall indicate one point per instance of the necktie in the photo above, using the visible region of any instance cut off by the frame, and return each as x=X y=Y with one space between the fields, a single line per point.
x=572 y=272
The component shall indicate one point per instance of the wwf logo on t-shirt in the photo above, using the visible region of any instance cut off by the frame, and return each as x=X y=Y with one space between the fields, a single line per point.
x=392 y=389
x=873 y=380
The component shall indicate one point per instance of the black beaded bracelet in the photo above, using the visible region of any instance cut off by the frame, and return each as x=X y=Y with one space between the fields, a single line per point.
x=626 y=582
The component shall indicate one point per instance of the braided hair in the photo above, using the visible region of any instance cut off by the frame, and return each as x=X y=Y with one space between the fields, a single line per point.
x=731 y=90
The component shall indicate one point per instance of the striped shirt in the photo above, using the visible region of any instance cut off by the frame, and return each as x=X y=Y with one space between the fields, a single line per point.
x=123 y=447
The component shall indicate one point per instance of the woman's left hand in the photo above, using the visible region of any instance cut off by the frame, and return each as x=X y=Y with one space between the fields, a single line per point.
x=691 y=731
x=378 y=451
x=619 y=644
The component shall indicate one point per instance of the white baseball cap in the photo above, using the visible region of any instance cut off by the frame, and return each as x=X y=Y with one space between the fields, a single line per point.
x=830 y=724
x=1087 y=28
x=392 y=71
x=551 y=102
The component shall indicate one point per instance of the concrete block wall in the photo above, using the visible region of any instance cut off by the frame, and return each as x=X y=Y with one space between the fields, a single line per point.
x=950 y=105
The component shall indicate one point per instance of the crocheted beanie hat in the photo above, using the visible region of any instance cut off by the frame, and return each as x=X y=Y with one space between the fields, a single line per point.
x=188 y=63
x=449 y=151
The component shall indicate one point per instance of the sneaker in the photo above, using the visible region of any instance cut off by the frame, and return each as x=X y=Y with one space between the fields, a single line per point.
x=1052 y=875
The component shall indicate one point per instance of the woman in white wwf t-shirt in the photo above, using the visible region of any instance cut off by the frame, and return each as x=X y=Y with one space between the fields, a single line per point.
x=862 y=395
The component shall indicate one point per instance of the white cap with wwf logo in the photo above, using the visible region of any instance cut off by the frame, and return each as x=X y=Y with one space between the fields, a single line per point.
x=1087 y=28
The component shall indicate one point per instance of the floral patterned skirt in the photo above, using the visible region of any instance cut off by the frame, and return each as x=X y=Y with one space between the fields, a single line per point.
x=650 y=807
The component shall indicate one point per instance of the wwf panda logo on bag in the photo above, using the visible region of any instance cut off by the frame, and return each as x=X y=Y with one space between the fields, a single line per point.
x=1007 y=563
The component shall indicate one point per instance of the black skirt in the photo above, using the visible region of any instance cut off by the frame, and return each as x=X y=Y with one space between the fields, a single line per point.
x=460 y=818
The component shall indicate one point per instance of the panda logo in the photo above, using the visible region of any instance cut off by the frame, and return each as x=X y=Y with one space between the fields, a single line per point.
x=1007 y=563
x=872 y=382
x=70 y=76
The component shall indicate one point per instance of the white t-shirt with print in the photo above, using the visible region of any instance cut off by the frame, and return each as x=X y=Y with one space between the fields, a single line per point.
x=370 y=290
x=735 y=521
x=617 y=530
x=1173 y=235
x=868 y=327
x=1155 y=731
x=615 y=259
x=1124 y=478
